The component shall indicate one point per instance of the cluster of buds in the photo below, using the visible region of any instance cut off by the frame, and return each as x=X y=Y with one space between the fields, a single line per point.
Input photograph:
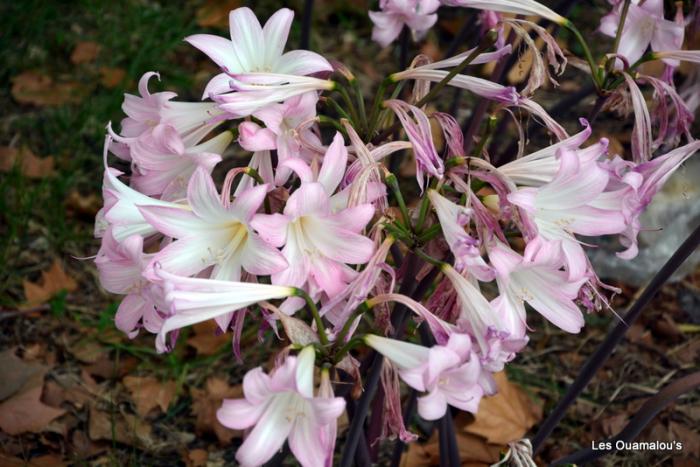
x=313 y=233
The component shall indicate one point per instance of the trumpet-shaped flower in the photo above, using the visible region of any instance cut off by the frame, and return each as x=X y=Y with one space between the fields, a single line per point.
x=564 y=207
x=163 y=171
x=419 y=133
x=120 y=212
x=453 y=219
x=280 y=406
x=191 y=121
x=448 y=373
x=120 y=266
x=257 y=51
x=498 y=341
x=517 y=7
x=317 y=241
x=418 y=15
x=540 y=167
x=194 y=300
x=281 y=131
x=479 y=86
x=644 y=25
x=541 y=284
x=213 y=233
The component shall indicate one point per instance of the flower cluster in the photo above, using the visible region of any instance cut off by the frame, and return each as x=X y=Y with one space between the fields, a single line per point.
x=313 y=233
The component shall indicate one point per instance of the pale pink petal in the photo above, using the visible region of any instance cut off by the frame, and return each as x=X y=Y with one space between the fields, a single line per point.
x=256 y=385
x=255 y=138
x=275 y=32
x=247 y=203
x=247 y=35
x=220 y=50
x=337 y=243
x=354 y=219
x=334 y=164
x=203 y=197
x=260 y=258
x=271 y=227
x=219 y=84
x=239 y=414
x=305 y=443
x=269 y=434
x=387 y=27
x=433 y=406
x=302 y=62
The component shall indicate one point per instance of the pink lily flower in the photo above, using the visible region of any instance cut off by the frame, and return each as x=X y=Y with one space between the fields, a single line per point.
x=449 y=373
x=540 y=283
x=194 y=300
x=540 y=167
x=338 y=309
x=256 y=52
x=281 y=131
x=517 y=7
x=418 y=15
x=563 y=207
x=453 y=219
x=120 y=212
x=162 y=171
x=497 y=341
x=317 y=241
x=636 y=186
x=192 y=121
x=419 y=133
x=644 y=25
x=213 y=233
x=479 y=86
x=280 y=406
x=120 y=266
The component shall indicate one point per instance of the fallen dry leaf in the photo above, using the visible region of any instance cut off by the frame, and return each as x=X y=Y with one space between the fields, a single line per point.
x=205 y=403
x=85 y=52
x=196 y=458
x=206 y=340
x=16 y=373
x=30 y=165
x=505 y=416
x=111 y=77
x=214 y=13
x=47 y=460
x=34 y=88
x=53 y=281
x=473 y=451
x=122 y=428
x=87 y=350
x=80 y=204
x=24 y=412
x=149 y=393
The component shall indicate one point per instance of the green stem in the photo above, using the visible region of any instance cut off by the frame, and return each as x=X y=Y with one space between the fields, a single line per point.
x=429 y=233
x=323 y=119
x=393 y=183
x=317 y=317
x=360 y=98
x=347 y=348
x=595 y=72
x=376 y=106
x=621 y=25
x=490 y=128
x=488 y=41
x=360 y=310
x=348 y=102
x=427 y=258
x=332 y=102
